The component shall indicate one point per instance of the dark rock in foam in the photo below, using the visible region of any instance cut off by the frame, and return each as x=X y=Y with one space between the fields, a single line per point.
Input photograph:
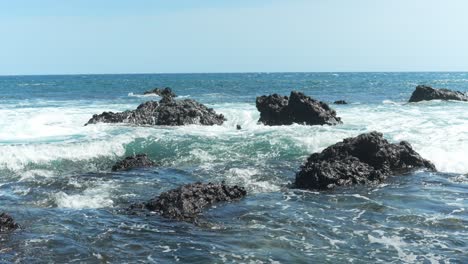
x=298 y=108
x=162 y=92
x=138 y=161
x=7 y=223
x=187 y=202
x=367 y=158
x=168 y=112
x=426 y=93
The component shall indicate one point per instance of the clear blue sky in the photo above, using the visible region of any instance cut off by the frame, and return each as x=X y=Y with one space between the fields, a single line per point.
x=142 y=36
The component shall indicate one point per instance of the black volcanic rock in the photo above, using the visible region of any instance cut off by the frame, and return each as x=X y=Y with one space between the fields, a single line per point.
x=367 y=158
x=426 y=93
x=187 y=202
x=162 y=92
x=7 y=223
x=168 y=112
x=138 y=161
x=340 y=102
x=278 y=110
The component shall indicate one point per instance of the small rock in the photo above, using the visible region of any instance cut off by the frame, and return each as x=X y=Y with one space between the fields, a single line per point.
x=187 y=202
x=138 y=161
x=7 y=223
x=238 y=127
x=162 y=92
x=340 y=102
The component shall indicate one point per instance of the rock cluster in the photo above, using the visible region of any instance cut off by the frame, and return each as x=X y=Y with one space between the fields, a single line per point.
x=168 y=112
x=367 y=158
x=137 y=161
x=426 y=93
x=298 y=108
x=187 y=202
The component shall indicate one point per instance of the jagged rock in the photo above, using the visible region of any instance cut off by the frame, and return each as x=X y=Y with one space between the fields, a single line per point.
x=426 y=93
x=298 y=108
x=168 y=112
x=187 y=202
x=162 y=92
x=340 y=102
x=367 y=158
x=7 y=223
x=138 y=161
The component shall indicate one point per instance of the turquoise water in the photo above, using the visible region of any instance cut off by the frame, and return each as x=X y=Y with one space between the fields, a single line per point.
x=55 y=174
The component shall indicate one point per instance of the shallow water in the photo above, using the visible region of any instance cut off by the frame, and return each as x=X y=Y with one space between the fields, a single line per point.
x=55 y=174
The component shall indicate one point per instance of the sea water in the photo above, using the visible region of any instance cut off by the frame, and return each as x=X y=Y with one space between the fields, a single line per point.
x=55 y=176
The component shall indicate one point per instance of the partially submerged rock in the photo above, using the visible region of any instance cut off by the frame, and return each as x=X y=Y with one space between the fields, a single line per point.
x=367 y=158
x=137 y=161
x=7 y=223
x=426 y=93
x=340 y=102
x=162 y=92
x=187 y=202
x=168 y=112
x=298 y=108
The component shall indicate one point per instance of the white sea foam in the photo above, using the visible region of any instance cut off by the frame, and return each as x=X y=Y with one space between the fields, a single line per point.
x=437 y=130
x=96 y=197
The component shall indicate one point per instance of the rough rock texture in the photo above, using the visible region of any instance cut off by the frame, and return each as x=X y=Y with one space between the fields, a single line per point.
x=298 y=108
x=426 y=93
x=7 y=223
x=340 y=102
x=138 y=161
x=367 y=158
x=168 y=112
x=162 y=92
x=187 y=202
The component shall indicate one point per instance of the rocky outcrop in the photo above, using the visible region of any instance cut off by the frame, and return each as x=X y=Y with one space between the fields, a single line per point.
x=138 y=161
x=162 y=92
x=168 y=112
x=340 y=102
x=7 y=223
x=426 y=93
x=187 y=202
x=367 y=158
x=298 y=108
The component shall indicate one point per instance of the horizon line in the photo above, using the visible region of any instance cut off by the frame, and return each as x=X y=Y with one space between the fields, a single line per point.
x=232 y=72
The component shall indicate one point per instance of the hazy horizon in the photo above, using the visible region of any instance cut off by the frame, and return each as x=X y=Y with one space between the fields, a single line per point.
x=121 y=37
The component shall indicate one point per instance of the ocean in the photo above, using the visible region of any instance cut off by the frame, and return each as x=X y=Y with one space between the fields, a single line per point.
x=55 y=176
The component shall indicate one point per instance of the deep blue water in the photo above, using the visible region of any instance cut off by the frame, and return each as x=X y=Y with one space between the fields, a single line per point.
x=55 y=174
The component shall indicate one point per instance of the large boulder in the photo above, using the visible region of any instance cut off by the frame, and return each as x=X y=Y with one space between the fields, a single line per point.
x=426 y=93
x=137 y=161
x=367 y=158
x=298 y=108
x=187 y=202
x=168 y=112
x=162 y=92
x=7 y=223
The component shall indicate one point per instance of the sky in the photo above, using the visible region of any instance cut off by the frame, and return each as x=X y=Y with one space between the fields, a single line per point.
x=188 y=36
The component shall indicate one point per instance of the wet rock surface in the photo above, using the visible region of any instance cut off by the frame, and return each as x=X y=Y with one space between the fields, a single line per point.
x=137 y=161
x=7 y=223
x=187 y=202
x=297 y=108
x=162 y=92
x=427 y=93
x=168 y=112
x=365 y=159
